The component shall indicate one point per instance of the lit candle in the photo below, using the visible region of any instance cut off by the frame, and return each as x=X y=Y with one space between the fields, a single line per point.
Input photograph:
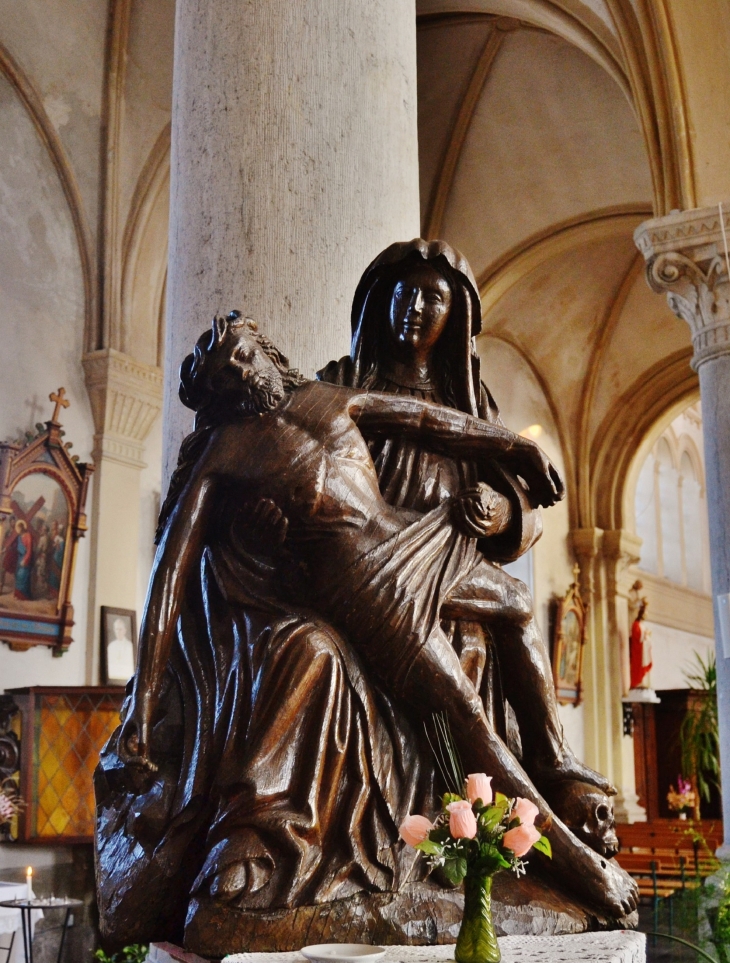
x=29 y=883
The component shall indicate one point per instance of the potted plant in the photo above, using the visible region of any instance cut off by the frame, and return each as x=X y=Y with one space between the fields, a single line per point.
x=682 y=799
x=699 y=734
x=136 y=953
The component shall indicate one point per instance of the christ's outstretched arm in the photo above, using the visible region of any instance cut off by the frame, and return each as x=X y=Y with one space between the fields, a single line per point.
x=458 y=435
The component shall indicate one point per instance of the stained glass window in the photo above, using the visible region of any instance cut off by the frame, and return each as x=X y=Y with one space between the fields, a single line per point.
x=63 y=731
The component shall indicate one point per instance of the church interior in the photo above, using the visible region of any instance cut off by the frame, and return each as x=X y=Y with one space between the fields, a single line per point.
x=562 y=146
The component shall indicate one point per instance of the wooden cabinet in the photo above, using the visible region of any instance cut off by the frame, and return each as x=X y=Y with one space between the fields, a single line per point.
x=657 y=752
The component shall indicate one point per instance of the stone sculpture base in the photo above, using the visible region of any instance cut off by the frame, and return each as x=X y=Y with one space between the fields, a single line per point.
x=421 y=914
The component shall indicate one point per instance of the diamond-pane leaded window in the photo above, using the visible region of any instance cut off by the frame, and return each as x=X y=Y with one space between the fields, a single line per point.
x=63 y=730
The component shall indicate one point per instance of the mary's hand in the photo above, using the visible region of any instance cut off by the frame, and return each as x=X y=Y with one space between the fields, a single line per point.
x=481 y=512
x=543 y=478
x=134 y=739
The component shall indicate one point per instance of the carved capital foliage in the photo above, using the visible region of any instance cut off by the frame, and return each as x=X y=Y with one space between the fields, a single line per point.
x=586 y=544
x=610 y=551
x=126 y=398
x=685 y=259
x=621 y=549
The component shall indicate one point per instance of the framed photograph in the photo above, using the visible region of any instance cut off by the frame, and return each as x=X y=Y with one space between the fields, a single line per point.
x=569 y=638
x=118 y=645
x=42 y=496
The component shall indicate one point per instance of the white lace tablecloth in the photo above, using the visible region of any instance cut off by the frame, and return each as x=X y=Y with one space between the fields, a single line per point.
x=621 y=946
x=10 y=921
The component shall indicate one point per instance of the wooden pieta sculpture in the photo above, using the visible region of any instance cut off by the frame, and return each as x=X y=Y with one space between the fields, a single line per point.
x=326 y=578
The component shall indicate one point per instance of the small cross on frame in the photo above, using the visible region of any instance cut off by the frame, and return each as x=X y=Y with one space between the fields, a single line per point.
x=61 y=401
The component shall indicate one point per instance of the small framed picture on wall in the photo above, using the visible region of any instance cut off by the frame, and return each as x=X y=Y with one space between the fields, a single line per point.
x=118 y=645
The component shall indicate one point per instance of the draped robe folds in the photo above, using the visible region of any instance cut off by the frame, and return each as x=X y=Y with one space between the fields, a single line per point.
x=275 y=750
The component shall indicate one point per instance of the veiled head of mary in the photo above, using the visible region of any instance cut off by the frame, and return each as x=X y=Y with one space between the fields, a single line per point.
x=419 y=297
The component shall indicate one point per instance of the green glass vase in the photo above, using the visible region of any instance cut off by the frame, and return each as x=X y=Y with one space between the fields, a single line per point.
x=477 y=941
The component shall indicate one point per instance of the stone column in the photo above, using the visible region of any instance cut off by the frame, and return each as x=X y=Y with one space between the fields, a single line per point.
x=686 y=260
x=604 y=558
x=294 y=162
x=621 y=549
x=126 y=398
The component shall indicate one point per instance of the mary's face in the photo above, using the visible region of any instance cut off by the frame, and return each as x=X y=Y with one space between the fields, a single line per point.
x=419 y=309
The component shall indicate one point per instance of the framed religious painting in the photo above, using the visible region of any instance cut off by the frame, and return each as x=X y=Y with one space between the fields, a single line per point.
x=42 y=499
x=569 y=638
x=118 y=645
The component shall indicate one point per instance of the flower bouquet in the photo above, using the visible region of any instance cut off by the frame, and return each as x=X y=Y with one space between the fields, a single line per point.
x=681 y=800
x=477 y=833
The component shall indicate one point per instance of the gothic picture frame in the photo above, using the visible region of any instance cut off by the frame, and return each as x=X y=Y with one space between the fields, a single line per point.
x=43 y=491
x=568 y=644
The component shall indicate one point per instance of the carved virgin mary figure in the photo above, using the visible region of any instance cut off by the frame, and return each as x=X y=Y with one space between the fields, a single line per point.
x=415 y=316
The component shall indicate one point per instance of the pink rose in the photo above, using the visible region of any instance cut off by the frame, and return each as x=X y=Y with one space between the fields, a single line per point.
x=462 y=821
x=520 y=839
x=526 y=811
x=479 y=786
x=414 y=829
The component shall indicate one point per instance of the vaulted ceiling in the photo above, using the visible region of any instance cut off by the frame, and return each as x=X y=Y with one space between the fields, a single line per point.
x=535 y=163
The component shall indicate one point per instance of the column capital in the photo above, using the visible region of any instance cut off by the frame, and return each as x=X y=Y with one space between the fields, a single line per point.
x=685 y=259
x=126 y=398
x=622 y=546
x=586 y=543
x=621 y=549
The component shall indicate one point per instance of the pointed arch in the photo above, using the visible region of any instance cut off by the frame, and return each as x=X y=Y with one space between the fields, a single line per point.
x=31 y=100
x=629 y=431
x=144 y=256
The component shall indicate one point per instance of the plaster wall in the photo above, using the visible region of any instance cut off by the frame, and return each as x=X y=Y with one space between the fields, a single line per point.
x=42 y=322
x=673 y=648
x=673 y=654
x=60 y=46
x=555 y=312
x=444 y=49
x=147 y=89
x=701 y=36
x=626 y=358
x=150 y=486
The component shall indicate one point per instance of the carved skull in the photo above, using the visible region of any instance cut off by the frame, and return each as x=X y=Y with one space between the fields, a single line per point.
x=588 y=813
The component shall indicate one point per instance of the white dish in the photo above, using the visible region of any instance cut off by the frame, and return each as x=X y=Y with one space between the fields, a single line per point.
x=343 y=953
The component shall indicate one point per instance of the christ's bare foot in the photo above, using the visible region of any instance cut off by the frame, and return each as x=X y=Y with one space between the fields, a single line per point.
x=593 y=877
x=240 y=880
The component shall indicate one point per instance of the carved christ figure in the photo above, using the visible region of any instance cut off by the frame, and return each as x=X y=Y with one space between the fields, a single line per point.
x=383 y=576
